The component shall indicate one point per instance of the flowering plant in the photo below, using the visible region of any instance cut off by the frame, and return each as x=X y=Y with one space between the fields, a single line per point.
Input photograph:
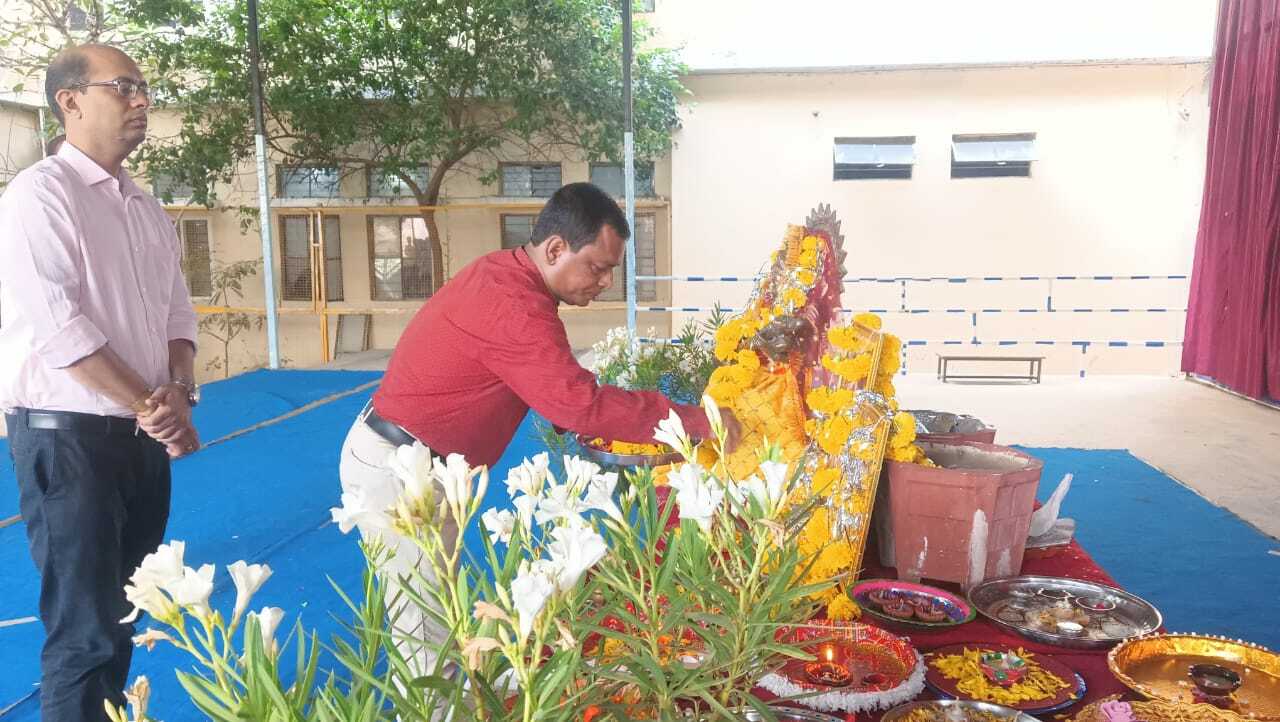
x=584 y=604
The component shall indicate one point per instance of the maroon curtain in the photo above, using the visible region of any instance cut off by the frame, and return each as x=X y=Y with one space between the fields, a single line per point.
x=1233 y=314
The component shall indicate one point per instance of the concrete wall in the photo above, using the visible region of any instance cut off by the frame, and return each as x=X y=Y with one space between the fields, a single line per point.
x=1115 y=191
x=20 y=143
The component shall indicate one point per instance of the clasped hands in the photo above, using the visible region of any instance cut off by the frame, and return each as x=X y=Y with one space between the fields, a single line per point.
x=165 y=416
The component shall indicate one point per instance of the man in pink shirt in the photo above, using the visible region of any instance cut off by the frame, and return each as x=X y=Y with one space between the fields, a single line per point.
x=97 y=346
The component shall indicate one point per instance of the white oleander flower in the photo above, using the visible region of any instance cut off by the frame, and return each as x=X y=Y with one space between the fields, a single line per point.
x=696 y=497
x=529 y=477
x=268 y=620
x=248 y=579
x=671 y=432
x=575 y=549
x=599 y=495
x=530 y=591
x=358 y=510
x=499 y=524
x=192 y=591
x=413 y=466
x=161 y=567
x=578 y=472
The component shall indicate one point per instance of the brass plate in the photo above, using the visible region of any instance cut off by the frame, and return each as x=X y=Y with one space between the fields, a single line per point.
x=1156 y=666
x=1161 y=711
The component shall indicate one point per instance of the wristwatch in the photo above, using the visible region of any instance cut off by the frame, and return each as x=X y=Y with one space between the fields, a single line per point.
x=192 y=388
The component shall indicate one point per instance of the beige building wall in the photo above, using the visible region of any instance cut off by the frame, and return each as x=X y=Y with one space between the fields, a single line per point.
x=20 y=143
x=469 y=222
x=1115 y=190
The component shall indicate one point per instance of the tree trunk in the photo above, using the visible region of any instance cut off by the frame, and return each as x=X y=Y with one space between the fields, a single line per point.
x=437 y=248
x=430 y=197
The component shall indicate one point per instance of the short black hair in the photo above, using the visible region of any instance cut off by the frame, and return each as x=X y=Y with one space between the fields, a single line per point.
x=67 y=69
x=51 y=148
x=576 y=213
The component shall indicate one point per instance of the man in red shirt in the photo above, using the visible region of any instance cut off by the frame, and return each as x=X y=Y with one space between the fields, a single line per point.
x=490 y=345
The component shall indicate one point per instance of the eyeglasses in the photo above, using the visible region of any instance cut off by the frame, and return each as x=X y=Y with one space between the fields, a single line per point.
x=125 y=87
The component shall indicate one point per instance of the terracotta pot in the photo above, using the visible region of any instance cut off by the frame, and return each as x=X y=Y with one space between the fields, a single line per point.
x=963 y=521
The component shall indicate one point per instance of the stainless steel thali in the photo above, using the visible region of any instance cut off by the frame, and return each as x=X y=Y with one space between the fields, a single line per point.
x=1065 y=612
x=608 y=458
x=952 y=710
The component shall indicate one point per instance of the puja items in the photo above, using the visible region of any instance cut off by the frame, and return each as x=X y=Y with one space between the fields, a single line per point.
x=1002 y=675
x=626 y=454
x=911 y=604
x=1111 y=709
x=856 y=668
x=948 y=427
x=1187 y=668
x=1002 y=668
x=1065 y=612
x=952 y=710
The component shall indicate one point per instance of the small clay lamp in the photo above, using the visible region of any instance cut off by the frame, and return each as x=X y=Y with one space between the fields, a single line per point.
x=827 y=671
x=1070 y=629
x=1002 y=668
x=883 y=595
x=930 y=610
x=1214 y=684
x=1095 y=604
x=899 y=609
x=1061 y=595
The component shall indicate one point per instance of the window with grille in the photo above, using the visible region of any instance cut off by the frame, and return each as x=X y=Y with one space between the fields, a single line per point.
x=194 y=234
x=384 y=183
x=298 y=181
x=646 y=261
x=517 y=229
x=528 y=180
x=610 y=178
x=295 y=260
x=874 y=158
x=168 y=189
x=400 y=258
x=77 y=19
x=992 y=156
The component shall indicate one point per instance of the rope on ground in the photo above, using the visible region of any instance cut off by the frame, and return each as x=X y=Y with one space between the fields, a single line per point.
x=269 y=422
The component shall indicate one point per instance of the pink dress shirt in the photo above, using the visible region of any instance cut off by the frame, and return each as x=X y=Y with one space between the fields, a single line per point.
x=86 y=259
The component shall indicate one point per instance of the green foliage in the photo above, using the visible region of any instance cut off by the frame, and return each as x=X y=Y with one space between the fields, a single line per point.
x=227 y=282
x=394 y=84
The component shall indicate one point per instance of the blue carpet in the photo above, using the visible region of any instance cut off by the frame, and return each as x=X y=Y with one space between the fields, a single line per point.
x=1205 y=569
x=230 y=405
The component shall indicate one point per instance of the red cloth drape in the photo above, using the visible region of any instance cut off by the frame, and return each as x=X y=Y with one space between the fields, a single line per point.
x=1233 y=316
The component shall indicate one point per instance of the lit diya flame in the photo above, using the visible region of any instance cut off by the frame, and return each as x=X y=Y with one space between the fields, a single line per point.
x=828 y=673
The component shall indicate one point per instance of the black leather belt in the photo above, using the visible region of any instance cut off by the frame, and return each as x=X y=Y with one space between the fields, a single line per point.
x=71 y=421
x=386 y=429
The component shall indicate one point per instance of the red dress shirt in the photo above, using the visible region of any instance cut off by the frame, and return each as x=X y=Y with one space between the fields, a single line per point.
x=488 y=347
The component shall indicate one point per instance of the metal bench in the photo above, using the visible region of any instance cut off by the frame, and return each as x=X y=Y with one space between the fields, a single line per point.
x=1031 y=376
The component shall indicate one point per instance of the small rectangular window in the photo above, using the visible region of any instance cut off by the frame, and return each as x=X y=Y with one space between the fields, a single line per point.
x=992 y=156
x=517 y=229
x=400 y=258
x=384 y=183
x=296 y=181
x=643 y=6
x=874 y=158
x=168 y=190
x=646 y=262
x=528 y=180
x=194 y=234
x=295 y=259
x=609 y=177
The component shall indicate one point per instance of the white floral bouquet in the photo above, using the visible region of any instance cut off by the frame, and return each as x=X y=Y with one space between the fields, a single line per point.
x=654 y=604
